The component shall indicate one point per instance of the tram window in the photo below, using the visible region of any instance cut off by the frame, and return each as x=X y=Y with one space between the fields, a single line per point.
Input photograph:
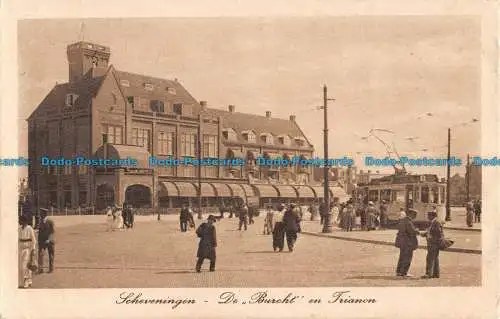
x=435 y=195
x=424 y=198
x=417 y=195
x=442 y=194
x=398 y=196
x=385 y=194
x=373 y=195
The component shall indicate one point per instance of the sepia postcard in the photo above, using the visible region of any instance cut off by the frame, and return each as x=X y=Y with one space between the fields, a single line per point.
x=249 y=159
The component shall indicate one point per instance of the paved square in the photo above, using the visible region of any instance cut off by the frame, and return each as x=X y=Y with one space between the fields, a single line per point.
x=156 y=254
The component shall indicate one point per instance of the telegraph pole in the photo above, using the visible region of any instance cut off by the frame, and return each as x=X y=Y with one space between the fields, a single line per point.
x=448 y=211
x=200 y=215
x=467 y=178
x=327 y=226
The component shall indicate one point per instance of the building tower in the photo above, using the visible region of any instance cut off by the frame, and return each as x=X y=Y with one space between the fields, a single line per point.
x=85 y=57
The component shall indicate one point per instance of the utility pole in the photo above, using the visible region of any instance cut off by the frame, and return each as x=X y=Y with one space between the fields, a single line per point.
x=327 y=226
x=467 y=178
x=200 y=215
x=448 y=211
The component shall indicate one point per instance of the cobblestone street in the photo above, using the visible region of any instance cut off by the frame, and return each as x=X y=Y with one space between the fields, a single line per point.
x=157 y=254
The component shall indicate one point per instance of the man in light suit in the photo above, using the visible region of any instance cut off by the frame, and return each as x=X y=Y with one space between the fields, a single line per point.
x=434 y=236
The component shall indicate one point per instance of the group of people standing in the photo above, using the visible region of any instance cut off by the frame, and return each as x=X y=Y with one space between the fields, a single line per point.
x=407 y=242
x=120 y=218
x=285 y=222
x=473 y=212
x=29 y=243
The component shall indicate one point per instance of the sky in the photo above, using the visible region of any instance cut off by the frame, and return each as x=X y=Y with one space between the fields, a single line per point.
x=384 y=72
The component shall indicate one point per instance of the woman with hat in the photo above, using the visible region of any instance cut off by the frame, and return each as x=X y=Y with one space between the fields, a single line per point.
x=27 y=245
x=208 y=243
x=279 y=229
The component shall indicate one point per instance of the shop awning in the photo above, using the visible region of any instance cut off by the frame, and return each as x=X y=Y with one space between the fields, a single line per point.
x=340 y=193
x=237 y=190
x=186 y=189
x=168 y=189
x=318 y=191
x=305 y=191
x=266 y=190
x=249 y=191
x=222 y=190
x=252 y=155
x=286 y=191
x=231 y=153
x=207 y=190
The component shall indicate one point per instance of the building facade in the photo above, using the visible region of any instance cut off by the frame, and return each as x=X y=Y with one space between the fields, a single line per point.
x=102 y=112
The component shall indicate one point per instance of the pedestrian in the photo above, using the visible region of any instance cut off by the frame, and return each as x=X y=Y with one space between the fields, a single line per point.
x=222 y=209
x=291 y=219
x=118 y=218
x=313 y=210
x=407 y=242
x=208 y=243
x=125 y=215
x=383 y=214
x=231 y=210
x=184 y=218
x=349 y=217
x=251 y=214
x=27 y=245
x=268 y=221
x=370 y=216
x=434 y=235
x=279 y=229
x=243 y=217
x=470 y=214
x=46 y=240
x=131 y=215
x=322 y=212
x=109 y=218
x=336 y=214
x=477 y=211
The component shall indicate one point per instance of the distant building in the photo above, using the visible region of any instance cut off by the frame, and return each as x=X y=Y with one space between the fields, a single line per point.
x=458 y=193
x=474 y=176
x=365 y=177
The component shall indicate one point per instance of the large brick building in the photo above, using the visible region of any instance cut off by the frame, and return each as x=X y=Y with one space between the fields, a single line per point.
x=103 y=112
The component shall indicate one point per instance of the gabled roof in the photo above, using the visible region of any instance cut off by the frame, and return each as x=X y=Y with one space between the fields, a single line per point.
x=86 y=88
x=159 y=92
x=241 y=122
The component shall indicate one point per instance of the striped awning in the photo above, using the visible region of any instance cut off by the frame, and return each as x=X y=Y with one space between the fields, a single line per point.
x=249 y=191
x=222 y=190
x=286 y=191
x=168 y=189
x=266 y=190
x=186 y=189
x=319 y=191
x=340 y=193
x=305 y=191
x=237 y=190
x=207 y=190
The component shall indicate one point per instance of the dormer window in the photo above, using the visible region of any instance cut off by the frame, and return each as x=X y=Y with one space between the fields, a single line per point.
x=284 y=140
x=171 y=90
x=267 y=138
x=229 y=134
x=249 y=136
x=125 y=83
x=70 y=99
x=157 y=106
x=148 y=86
x=300 y=141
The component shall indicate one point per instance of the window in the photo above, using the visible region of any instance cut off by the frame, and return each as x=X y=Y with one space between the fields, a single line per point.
x=267 y=138
x=171 y=90
x=443 y=194
x=178 y=108
x=251 y=138
x=373 y=195
x=424 y=198
x=82 y=170
x=435 y=195
x=70 y=99
x=82 y=199
x=148 y=86
x=141 y=137
x=157 y=106
x=114 y=134
x=130 y=100
x=67 y=169
x=229 y=134
x=188 y=148
x=385 y=194
x=210 y=150
x=299 y=141
x=165 y=143
x=125 y=83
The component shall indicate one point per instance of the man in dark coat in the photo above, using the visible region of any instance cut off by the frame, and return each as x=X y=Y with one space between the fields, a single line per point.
x=406 y=241
x=477 y=211
x=279 y=229
x=383 y=214
x=208 y=243
x=291 y=220
x=434 y=236
x=46 y=240
x=184 y=218
x=243 y=217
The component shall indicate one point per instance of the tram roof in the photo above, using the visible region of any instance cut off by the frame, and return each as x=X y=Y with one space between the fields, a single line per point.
x=405 y=179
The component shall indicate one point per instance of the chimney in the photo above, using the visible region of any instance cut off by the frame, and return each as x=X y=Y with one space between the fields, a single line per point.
x=231 y=108
x=292 y=118
x=268 y=114
x=203 y=105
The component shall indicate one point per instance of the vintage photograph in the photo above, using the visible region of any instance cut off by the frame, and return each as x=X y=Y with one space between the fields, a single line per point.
x=250 y=152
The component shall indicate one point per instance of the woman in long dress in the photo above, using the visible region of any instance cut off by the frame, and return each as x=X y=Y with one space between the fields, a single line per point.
x=118 y=219
x=109 y=219
x=27 y=246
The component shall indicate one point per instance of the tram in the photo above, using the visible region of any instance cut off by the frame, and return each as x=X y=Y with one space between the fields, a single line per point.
x=421 y=193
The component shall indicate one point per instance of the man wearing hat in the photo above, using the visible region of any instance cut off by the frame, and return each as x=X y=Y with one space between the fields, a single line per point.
x=291 y=220
x=46 y=241
x=371 y=213
x=434 y=236
x=208 y=243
